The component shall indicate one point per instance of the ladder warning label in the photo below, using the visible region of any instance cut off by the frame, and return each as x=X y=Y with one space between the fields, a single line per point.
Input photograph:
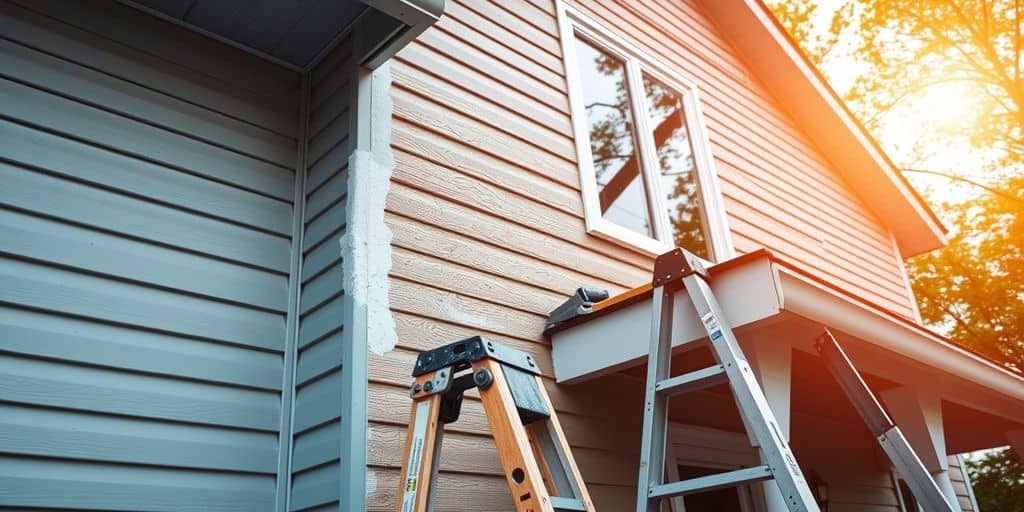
x=711 y=325
x=419 y=433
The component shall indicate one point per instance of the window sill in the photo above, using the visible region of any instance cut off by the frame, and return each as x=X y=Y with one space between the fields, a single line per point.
x=630 y=240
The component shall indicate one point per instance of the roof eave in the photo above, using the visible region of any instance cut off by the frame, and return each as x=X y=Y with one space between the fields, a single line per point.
x=805 y=95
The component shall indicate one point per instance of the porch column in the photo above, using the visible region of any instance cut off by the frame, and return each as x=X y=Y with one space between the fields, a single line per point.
x=919 y=416
x=772 y=361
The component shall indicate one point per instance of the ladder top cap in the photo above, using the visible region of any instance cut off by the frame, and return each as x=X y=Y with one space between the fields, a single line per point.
x=461 y=354
x=675 y=265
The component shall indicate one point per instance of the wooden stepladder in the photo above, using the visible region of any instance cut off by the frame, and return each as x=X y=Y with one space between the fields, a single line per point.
x=541 y=472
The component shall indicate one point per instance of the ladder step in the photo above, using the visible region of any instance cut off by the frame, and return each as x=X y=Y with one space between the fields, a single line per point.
x=712 y=482
x=560 y=503
x=693 y=381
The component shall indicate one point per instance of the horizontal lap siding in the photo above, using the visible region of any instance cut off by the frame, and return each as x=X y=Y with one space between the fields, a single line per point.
x=863 y=480
x=318 y=390
x=489 y=236
x=145 y=226
x=489 y=233
x=780 y=193
x=958 y=474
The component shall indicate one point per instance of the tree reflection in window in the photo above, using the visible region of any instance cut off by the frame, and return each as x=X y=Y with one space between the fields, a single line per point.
x=620 y=185
x=677 y=166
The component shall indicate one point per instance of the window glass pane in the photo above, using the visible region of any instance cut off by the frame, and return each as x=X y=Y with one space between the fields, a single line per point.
x=678 y=168
x=620 y=184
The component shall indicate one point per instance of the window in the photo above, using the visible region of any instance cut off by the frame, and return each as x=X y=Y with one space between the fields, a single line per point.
x=645 y=167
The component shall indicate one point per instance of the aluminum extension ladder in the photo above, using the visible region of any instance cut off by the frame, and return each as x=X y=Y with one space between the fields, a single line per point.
x=908 y=465
x=681 y=269
x=535 y=457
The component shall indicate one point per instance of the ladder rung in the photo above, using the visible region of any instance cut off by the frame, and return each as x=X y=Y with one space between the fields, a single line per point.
x=712 y=482
x=560 y=503
x=693 y=381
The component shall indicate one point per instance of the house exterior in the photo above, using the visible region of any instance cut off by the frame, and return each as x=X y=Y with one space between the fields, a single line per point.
x=229 y=228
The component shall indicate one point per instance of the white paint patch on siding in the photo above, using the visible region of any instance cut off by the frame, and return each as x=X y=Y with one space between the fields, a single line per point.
x=366 y=245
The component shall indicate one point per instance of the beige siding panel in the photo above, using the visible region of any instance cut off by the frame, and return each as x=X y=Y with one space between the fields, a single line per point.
x=532 y=15
x=535 y=36
x=455 y=491
x=419 y=299
x=418 y=204
x=498 y=202
x=419 y=141
x=450 y=94
x=496 y=260
x=448 y=123
x=550 y=95
x=499 y=33
x=519 y=62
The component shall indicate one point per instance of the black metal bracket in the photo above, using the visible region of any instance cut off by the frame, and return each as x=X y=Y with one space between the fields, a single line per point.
x=451 y=400
x=581 y=303
x=676 y=264
x=461 y=354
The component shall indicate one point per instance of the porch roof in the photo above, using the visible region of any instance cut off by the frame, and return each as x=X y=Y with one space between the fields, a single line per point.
x=763 y=296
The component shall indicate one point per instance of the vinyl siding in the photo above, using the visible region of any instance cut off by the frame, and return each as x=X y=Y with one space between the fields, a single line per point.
x=489 y=233
x=319 y=391
x=958 y=474
x=145 y=240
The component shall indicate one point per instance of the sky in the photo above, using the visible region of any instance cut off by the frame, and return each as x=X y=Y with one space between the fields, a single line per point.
x=921 y=132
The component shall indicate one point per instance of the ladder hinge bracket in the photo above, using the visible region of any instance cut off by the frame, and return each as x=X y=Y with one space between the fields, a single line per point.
x=676 y=264
x=451 y=400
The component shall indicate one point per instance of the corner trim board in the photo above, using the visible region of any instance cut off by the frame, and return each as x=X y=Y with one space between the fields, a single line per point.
x=286 y=441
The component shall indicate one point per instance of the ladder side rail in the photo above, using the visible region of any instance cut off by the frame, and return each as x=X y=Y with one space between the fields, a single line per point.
x=895 y=445
x=655 y=425
x=421 y=457
x=563 y=453
x=750 y=398
x=522 y=471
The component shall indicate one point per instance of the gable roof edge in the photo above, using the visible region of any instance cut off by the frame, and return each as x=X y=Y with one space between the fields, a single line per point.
x=768 y=50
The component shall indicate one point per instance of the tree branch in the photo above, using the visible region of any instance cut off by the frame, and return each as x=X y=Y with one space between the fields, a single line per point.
x=961 y=179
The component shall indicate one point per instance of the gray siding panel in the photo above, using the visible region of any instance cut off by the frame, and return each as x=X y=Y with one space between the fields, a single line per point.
x=175 y=79
x=145 y=243
x=319 y=389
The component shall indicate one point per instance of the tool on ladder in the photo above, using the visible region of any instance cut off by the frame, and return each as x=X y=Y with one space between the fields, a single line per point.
x=681 y=269
x=541 y=473
x=894 y=444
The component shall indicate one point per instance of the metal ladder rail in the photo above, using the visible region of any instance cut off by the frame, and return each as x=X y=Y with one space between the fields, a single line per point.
x=895 y=445
x=673 y=270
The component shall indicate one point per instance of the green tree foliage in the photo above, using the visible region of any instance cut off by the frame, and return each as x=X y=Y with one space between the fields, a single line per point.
x=972 y=290
x=997 y=481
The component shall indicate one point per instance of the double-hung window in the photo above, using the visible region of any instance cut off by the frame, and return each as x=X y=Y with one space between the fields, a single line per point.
x=645 y=166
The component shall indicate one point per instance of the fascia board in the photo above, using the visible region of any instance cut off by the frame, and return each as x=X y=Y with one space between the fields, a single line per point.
x=393 y=24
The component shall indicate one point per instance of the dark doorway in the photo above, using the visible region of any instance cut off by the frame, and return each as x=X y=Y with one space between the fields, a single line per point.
x=721 y=500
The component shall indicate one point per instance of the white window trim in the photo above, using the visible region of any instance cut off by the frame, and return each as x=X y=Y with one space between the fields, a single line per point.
x=570 y=21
